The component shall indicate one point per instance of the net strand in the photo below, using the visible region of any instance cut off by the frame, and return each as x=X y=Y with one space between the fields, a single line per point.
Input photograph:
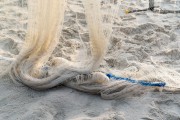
x=44 y=29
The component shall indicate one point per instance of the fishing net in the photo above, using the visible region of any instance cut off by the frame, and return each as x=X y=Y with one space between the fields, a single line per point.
x=69 y=49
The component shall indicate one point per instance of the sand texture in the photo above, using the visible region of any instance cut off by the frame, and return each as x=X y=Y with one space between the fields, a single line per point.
x=138 y=39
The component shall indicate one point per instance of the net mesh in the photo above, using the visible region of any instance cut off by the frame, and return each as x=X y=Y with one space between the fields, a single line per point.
x=66 y=45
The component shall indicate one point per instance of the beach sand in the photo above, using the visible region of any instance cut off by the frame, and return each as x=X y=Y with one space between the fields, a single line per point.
x=137 y=38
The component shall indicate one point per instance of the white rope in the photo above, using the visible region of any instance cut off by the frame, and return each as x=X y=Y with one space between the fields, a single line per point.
x=45 y=23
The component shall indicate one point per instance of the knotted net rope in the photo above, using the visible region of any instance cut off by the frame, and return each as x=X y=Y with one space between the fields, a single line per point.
x=44 y=29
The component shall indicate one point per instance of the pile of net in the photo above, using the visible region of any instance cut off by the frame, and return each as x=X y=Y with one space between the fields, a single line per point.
x=34 y=69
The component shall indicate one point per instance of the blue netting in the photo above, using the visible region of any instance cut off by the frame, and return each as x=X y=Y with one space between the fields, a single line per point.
x=141 y=82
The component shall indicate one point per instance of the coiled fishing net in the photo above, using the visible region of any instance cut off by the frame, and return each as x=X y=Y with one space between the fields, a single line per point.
x=52 y=56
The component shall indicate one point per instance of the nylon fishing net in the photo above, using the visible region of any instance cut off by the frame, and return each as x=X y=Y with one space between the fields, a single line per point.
x=72 y=43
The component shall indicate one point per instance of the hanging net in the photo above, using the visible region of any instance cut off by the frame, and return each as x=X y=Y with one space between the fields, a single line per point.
x=73 y=50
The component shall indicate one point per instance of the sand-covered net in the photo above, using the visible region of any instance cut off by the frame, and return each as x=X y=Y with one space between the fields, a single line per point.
x=37 y=68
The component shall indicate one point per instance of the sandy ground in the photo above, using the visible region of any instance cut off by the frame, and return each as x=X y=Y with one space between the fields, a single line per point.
x=137 y=38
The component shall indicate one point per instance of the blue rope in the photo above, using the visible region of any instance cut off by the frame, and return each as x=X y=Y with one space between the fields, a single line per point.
x=141 y=82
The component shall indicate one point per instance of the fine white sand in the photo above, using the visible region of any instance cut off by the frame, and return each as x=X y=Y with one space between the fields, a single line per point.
x=137 y=38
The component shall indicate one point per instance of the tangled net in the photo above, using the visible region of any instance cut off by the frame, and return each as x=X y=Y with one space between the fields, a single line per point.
x=44 y=30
